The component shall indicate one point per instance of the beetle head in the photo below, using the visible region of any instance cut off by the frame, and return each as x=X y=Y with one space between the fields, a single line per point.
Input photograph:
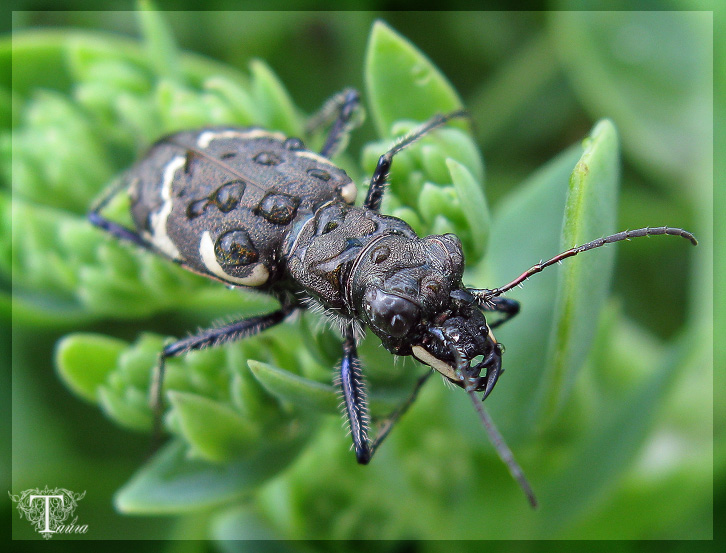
x=409 y=292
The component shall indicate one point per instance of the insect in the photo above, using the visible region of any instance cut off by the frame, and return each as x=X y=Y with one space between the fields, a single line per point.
x=255 y=208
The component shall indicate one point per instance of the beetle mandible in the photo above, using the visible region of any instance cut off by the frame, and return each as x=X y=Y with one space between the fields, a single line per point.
x=255 y=208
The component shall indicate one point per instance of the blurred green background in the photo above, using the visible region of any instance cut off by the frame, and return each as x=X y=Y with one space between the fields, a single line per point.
x=535 y=83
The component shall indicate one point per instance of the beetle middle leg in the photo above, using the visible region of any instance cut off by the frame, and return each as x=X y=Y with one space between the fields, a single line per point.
x=380 y=175
x=210 y=337
x=356 y=406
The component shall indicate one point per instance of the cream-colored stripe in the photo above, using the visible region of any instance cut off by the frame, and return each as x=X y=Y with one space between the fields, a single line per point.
x=160 y=219
x=206 y=137
x=314 y=157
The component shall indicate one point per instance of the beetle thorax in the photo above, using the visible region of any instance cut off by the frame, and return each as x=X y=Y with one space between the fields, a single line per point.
x=373 y=268
x=400 y=285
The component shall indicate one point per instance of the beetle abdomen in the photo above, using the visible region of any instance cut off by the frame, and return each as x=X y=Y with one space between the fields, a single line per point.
x=223 y=200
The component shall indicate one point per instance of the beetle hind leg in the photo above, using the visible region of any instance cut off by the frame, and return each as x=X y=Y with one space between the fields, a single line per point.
x=343 y=110
x=113 y=228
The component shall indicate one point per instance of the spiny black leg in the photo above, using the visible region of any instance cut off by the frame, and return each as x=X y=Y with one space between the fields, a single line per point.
x=117 y=230
x=472 y=382
x=501 y=305
x=380 y=175
x=356 y=408
x=341 y=110
x=207 y=338
x=121 y=232
x=354 y=396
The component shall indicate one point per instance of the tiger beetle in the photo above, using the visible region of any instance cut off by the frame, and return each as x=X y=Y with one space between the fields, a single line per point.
x=255 y=208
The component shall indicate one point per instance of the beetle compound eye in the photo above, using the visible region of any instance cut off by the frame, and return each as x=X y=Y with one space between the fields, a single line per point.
x=390 y=313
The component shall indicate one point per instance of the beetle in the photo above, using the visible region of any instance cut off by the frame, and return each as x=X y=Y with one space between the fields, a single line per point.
x=254 y=208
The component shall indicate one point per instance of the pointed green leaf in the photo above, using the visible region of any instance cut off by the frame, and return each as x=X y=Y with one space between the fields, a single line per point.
x=214 y=430
x=583 y=282
x=401 y=82
x=474 y=205
x=159 y=41
x=55 y=128
x=594 y=468
x=668 y=132
x=172 y=482
x=138 y=360
x=180 y=107
x=296 y=389
x=84 y=361
x=526 y=228
x=243 y=525
x=236 y=96
x=437 y=201
x=6 y=247
x=128 y=407
x=272 y=100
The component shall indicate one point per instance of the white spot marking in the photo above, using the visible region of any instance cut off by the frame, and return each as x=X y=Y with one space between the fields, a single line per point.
x=349 y=192
x=206 y=137
x=159 y=220
x=259 y=274
x=313 y=156
x=424 y=356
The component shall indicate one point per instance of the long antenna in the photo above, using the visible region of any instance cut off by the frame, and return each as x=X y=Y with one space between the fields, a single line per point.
x=501 y=447
x=483 y=295
x=505 y=454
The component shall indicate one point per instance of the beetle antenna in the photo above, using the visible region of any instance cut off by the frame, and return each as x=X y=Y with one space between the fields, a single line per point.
x=428 y=126
x=505 y=454
x=484 y=295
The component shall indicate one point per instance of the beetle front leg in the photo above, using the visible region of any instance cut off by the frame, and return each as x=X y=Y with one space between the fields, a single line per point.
x=392 y=419
x=354 y=397
x=506 y=306
x=380 y=175
x=356 y=406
